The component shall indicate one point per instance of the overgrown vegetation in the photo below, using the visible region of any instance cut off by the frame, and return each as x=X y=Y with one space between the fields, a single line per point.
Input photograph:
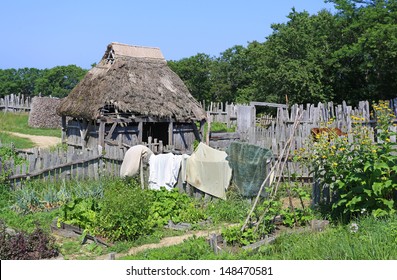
x=367 y=239
x=126 y=212
x=362 y=174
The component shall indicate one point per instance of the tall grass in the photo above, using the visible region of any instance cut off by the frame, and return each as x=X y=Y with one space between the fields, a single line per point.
x=232 y=210
x=18 y=122
x=375 y=239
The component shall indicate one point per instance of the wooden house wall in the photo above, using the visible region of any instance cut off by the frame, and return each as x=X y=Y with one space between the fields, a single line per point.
x=183 y=135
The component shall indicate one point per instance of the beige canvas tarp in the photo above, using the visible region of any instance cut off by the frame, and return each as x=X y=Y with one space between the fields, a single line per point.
x=209 y=171
x=132 y=160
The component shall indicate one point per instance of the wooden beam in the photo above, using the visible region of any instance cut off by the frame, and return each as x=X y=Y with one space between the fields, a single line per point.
x=171 y=133
x=207 y=137
x=101 y=134
x=110 y=133
x=267 y=104
x=140 y=132
x=64 y=129
x=83 y=132
x=202 y=123
x=196 y=132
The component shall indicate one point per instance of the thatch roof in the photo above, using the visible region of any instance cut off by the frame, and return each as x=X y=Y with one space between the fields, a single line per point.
x=135 y=80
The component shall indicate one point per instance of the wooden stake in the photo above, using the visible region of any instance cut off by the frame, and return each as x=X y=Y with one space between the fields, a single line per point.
x=275 y=167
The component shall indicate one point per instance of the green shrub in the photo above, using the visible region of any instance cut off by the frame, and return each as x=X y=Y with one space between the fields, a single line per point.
x=172 y=205
x=361 y=174
x=83 y=213
x=125 y=210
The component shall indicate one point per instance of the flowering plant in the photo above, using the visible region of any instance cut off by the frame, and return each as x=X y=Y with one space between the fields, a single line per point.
x=359 y=169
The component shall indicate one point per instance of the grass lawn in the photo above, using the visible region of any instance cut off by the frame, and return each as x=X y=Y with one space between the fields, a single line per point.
x=18 y=122
x=19 y=143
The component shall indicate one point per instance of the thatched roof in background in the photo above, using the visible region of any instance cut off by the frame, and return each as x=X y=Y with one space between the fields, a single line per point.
x=136 y=80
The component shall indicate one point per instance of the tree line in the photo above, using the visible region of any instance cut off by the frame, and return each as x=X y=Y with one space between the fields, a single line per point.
x=350 y=54
x=57 y=81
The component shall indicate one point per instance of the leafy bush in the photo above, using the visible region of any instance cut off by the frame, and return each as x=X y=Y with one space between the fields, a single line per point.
x=24 y=246
x=234 y=236
x=361 y=174
x=83 y=213
x=172 y=205
x=125 y=210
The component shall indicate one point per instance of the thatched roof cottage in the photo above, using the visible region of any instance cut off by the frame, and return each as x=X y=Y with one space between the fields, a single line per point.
x=131 y=97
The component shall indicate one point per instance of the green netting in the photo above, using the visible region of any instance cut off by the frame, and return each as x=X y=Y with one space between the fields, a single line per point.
x=249 y=165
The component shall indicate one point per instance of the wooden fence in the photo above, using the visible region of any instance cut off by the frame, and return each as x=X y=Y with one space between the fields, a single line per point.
x=59 y=164
x=80 y=163
x=275 y=136
x=222 y=112
x=15 y=103
x=277 y=129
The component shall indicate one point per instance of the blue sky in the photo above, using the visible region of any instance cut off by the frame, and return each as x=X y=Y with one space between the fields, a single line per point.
x=43 y=33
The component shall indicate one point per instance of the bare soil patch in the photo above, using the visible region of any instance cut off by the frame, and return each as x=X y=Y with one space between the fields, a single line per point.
x=39 y=141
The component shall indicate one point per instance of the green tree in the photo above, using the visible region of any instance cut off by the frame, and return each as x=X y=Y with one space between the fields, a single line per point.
x=365 y=65
x=8 y=82
x=294 y=60
x=232 y=75
x=195 y=71
x=59 y=81
x=27 y=78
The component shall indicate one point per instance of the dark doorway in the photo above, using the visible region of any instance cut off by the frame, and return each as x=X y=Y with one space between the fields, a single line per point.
x=157 y=131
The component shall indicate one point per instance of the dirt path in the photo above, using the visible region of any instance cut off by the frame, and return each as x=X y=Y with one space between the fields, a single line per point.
x=39 y=141
x=165 y=242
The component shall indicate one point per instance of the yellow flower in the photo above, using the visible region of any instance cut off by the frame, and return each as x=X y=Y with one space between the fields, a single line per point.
x=387 y=139
x=374 y=151
x=324 y=156
x=333 y=147
x=334 y=164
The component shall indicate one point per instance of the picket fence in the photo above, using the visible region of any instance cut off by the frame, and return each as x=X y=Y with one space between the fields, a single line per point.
x=15 y=103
